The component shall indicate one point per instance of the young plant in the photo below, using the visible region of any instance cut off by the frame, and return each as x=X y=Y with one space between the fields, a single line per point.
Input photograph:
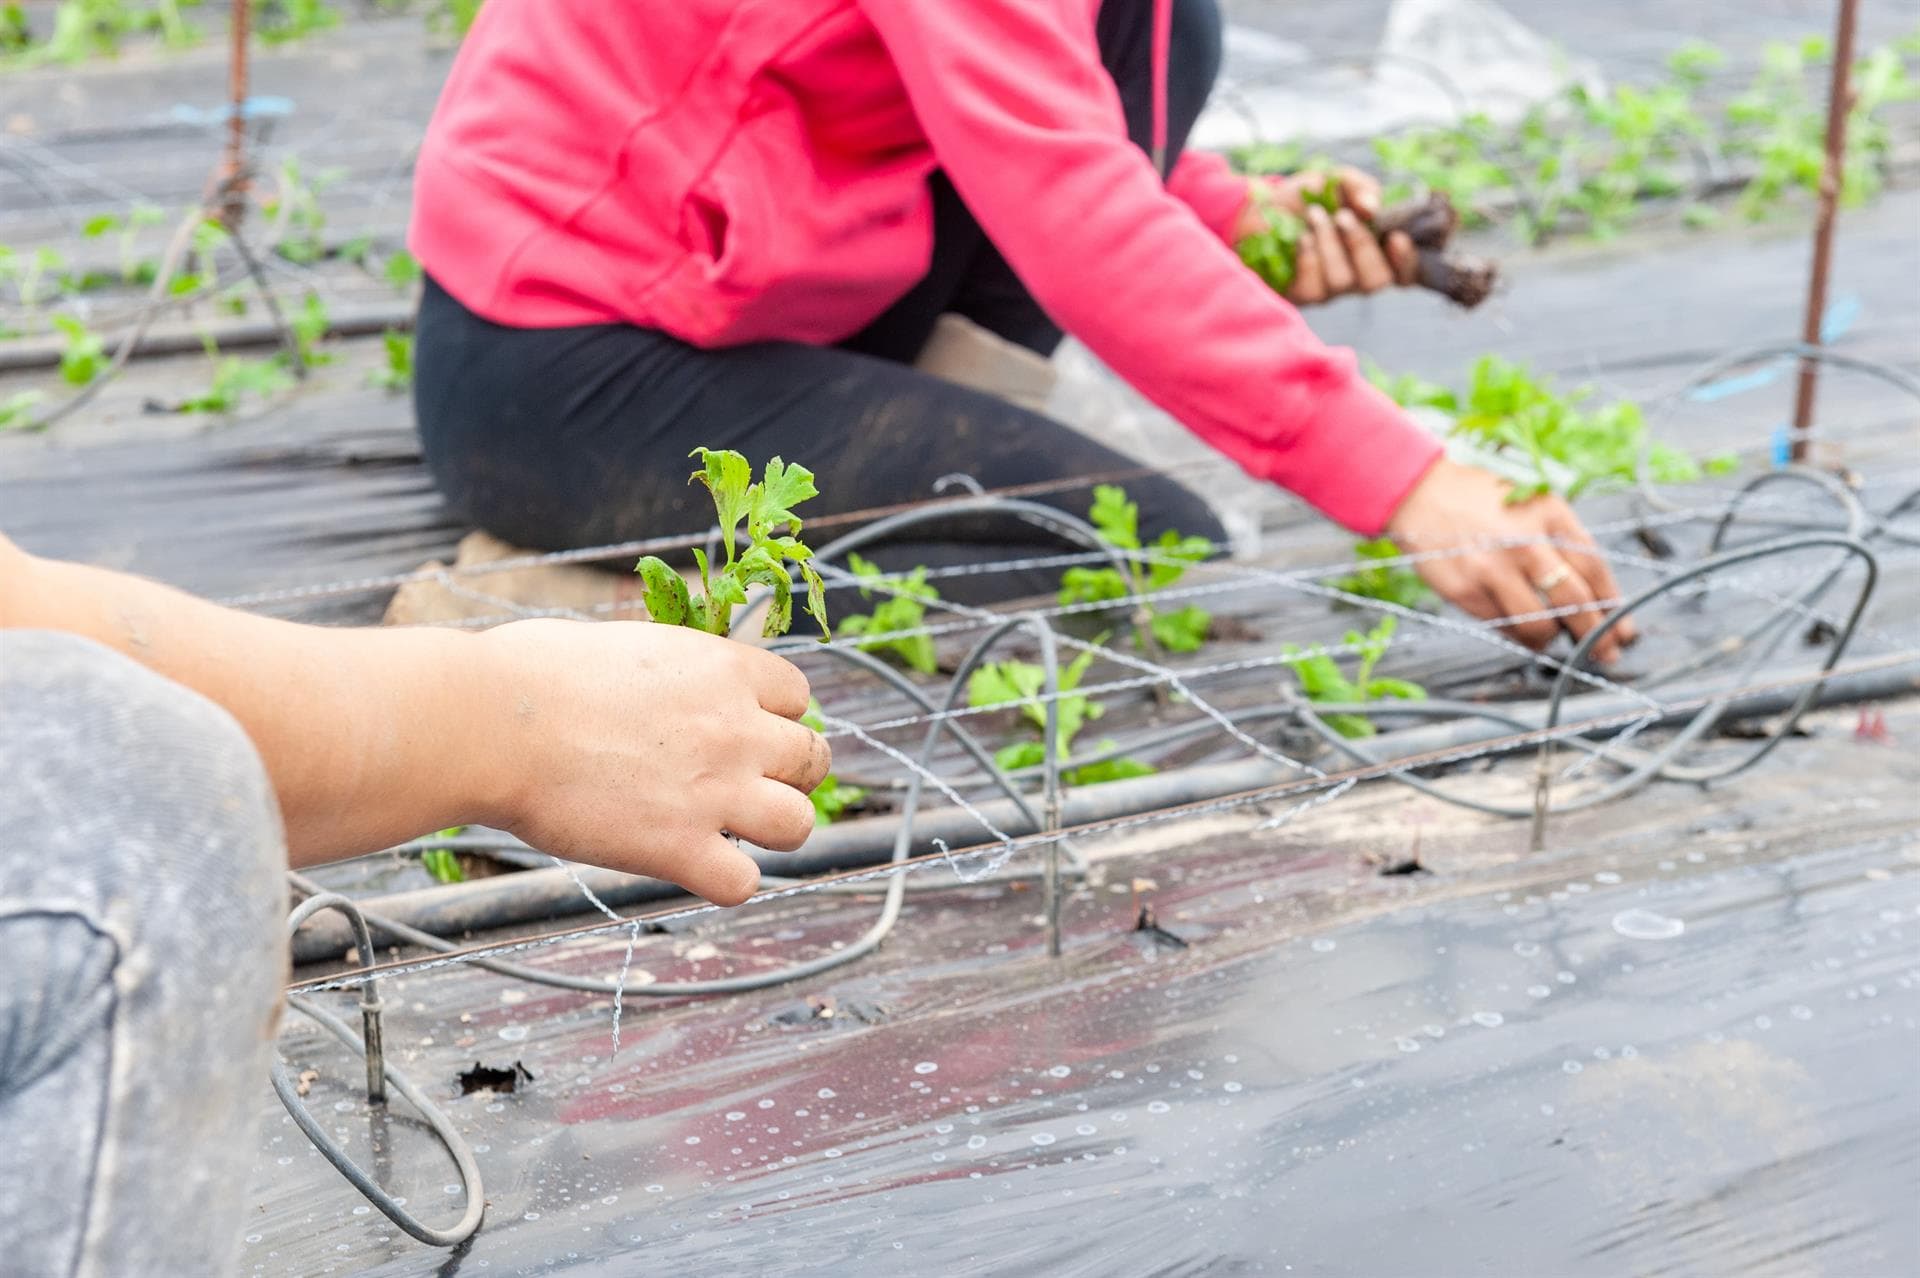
x=1389 y=583
x=1322 y=680
x=402 y=271
x=28 y=274
x=283 y=21
x=444 y=863
x=309 y=324
x=902 y=607
x=1118 y=522
x=1568 y=447
x=1019 y=683
x=773 y=542
x=16 y=410
x=1410 y=390
x=397 y=374
x=133 y=269
x=832 y=797
x=300 y=222
x=234 y=379
x=1272 y=253
x=453 y=17
x=16 y=37
x=83 y=354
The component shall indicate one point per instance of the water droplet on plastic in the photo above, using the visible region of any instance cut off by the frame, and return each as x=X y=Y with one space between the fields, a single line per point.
x=1645 y=925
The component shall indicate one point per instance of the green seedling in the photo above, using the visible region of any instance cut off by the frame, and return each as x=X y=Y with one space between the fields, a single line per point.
x=1569 y=447
x=1322 y=680
x=94 y=28
x=28 y=274
x=309 y=324
x=453 y=17
x=832 y=797
x=235 y=379
x=444 y=863
x=300 y=222
x=284 y=21
x=902 y=607
x=126 y=227
x=82 y=354
x=16 y=410
x=1117 y=520
x=402 y=271
x=16 y=37
x=1594 y=160
x=397 y=374
x=1409 y=390
x=1003 y=683
x=1389 y=583
x=773 y=542
x=1273 y=251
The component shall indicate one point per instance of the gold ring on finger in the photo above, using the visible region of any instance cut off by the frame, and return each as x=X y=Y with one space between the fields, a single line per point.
x=1545 y=585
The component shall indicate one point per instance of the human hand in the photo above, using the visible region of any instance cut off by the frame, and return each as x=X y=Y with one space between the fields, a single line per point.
x=1338 y=251
x=1454 y=505
x=640 y=747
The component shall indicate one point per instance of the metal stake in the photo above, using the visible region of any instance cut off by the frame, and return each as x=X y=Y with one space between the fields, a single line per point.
x=1832 y=174
x=233 y=167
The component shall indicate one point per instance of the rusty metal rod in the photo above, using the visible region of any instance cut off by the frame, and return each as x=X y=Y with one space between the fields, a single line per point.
x=1832 y=179
x=233 y=167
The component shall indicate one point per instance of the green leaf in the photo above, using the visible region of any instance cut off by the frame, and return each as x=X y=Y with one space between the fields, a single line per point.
x=443 y=864
x=780 y=489
x=1121 y=769
x=728 y=477
x=758 y=567
x=664 y=592
x=1182 y=630
x=1116 y=518
x=402 y=271
x=98 y=225
x=816 y=598
x=1020 y=754
x=16 y=410
x=1394 y=689
x=83 y=355
x=832 y=797
x=1091 y=585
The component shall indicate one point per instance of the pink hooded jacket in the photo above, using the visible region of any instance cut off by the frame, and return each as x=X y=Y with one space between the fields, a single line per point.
x=731 y=171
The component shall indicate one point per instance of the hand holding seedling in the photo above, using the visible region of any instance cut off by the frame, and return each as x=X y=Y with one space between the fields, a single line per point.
x=1327 y=215
x=1320 y=233
x=1459 y=508
x=641 y=747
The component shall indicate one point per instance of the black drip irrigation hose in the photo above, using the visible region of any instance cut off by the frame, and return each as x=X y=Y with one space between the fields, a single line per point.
x=380 y=1073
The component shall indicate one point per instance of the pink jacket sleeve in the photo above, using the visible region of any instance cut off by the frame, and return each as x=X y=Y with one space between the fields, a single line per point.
x=1202 y=181
x=1027 y=124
